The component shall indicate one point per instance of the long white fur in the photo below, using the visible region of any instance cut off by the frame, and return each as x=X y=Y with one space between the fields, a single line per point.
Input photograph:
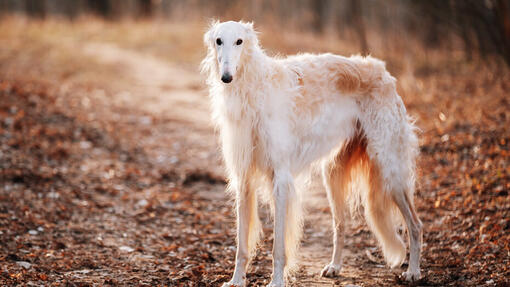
x=279 y=116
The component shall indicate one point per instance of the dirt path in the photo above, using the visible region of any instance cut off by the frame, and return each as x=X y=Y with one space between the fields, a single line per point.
x=158 y=87
x=168 y=94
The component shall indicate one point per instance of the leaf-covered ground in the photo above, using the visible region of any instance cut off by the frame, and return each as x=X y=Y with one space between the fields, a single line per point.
x=110 y=173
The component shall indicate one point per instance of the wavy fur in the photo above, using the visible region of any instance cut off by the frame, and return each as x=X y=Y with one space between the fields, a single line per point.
x=278 y=116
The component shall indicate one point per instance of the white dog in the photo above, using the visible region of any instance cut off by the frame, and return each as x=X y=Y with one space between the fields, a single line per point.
x=278 y=116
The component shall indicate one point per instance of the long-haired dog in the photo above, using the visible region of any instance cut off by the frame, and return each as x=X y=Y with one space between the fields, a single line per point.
x=277 y=117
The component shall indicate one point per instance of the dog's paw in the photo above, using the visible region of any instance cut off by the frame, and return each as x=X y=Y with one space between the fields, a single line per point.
x=233 y=283
x=411 y=275
x=331 y=270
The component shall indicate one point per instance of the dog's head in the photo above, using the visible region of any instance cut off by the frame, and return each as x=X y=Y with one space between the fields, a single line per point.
x=227 y=42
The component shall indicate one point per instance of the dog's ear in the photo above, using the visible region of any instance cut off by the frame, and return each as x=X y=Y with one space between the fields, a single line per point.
x=209 y=65
x=248 y=26
x=250 y=33
x=208 y=36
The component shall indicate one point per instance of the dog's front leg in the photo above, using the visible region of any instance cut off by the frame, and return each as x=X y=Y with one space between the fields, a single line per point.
x=245 y=201
x=282 y=181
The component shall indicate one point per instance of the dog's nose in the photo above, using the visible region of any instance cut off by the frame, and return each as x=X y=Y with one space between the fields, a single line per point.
x=226 y=78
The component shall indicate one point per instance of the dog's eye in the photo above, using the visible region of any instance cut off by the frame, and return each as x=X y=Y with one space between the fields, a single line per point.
x=239 y=42
x=218 y=41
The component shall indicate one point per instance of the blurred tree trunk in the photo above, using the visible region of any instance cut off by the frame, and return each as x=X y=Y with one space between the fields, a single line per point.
x=4 y=8
x=145 y=8
x=487 y=21
x=100 y=7
x=483 y=26
x=462 y=22
x=220 y=6
x=359 y=25
x=502 y=12
x=319 y=9
x=36 y=8
x=72 y=8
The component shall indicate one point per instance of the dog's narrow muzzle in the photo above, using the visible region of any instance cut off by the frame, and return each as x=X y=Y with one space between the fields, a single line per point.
x=226 y=78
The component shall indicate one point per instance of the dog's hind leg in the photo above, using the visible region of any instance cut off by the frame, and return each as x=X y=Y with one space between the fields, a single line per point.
x=414 y=229
x=392 y=188
x=334 y=184
x=392 y=148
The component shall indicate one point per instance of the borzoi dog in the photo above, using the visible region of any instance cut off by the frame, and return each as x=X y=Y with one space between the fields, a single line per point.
x=277 y=117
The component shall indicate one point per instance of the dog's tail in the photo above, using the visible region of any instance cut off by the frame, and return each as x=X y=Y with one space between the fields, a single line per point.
x=383 y=219
x=366 y=188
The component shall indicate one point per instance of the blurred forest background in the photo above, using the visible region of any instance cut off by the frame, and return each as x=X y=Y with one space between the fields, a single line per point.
x=110 y=171
x=481 y=25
